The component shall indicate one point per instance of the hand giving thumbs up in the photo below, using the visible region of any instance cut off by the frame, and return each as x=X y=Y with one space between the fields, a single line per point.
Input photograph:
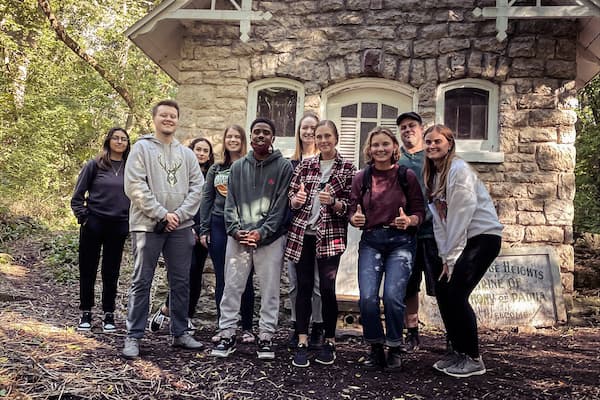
x=325 y=196
x=358 y=219
x=402 y=221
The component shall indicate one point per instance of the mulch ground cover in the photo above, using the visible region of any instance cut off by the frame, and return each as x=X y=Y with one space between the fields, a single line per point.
x=43 y=357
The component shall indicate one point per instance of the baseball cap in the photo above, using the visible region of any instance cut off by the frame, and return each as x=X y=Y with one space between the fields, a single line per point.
x=412 y=115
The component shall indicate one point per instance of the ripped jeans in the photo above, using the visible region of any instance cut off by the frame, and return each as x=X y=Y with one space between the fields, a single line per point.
x=383 y=252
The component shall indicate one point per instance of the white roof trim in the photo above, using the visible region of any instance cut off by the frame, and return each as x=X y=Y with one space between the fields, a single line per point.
x=505 y=9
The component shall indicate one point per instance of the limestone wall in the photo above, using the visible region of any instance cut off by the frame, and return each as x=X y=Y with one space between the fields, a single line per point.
x=421 y=43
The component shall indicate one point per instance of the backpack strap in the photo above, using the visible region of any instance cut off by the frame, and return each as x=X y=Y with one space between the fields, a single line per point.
x=366 y=184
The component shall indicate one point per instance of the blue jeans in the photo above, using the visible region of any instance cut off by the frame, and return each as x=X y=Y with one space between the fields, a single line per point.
x=382 y=251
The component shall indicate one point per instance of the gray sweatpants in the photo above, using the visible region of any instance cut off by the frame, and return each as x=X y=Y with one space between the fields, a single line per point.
x=176 y=248
x=267 y=262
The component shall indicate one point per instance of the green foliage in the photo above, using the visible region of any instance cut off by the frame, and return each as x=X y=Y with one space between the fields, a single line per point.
x=54 y=108
x=14 y=228
x=587 y=169
x=61 y=255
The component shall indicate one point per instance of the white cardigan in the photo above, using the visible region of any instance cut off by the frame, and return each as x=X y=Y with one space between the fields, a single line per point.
x=470 y=212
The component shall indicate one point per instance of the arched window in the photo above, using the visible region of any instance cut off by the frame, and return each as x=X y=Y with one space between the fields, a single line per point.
x=281 y=100
x=470 y=108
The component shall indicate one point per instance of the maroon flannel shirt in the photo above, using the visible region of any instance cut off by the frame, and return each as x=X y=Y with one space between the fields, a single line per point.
x=332 y=227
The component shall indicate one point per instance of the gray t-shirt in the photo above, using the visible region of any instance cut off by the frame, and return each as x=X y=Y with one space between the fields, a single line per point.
x=326 y=167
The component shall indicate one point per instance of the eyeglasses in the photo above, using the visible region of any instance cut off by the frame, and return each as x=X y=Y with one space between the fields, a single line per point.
x=119 y=139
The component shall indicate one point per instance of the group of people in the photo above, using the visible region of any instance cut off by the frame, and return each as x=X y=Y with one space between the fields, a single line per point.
x=421 y=209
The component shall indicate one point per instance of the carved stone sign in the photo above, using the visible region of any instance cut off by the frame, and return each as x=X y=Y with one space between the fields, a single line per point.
x=521 y=288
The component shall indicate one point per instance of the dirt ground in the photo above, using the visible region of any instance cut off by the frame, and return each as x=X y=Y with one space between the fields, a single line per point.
x=43 y=357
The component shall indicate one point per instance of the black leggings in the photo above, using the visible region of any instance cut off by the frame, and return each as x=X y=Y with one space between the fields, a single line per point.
x=453 y=297
x=328 y=268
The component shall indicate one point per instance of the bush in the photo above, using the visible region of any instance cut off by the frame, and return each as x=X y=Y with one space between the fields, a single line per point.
x=61 y=254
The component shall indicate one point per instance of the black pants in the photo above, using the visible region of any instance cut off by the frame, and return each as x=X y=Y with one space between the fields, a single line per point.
x=328 y=268
x=453 y=297
x=199 y=256
x=98 y=234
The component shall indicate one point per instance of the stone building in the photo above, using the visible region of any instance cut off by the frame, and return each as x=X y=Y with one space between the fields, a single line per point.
x=504 y=76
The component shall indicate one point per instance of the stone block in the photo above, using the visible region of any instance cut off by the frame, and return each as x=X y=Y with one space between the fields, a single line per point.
x=533 y=101
x=566 y=134
x=513 y=233
x=331 y=5
x=537 y=134
x=530 y=205
x=552 y=117
x=400 y=48
x=427 y=94
x=489 y=44
x=376 y=4
x=506 y=211
x=566 y=186
x=556 y=157
x=431 y=74
x=462 y=29
x=417 y=73
x=506 y=190
x=390 y=64
x=542 y=191
x=425 y=48
x=449 y=45
x=566 y=257
x=520 y=158
x=353 y=64
x=527 y=67
x=527 y=149
x=474 y=63
x=403 y=72
x=337 y=69
x=488 y=65
x=566 y=49
x=545 y=86
x=458 y=65
x=514 y=119
x=522 y=85
x=449 y=16
x=434 y=31
x=443 y=68
x=502 y=68
x=405 y=31
x=561 y=69
x=545 y=48
x=530 y=218
x=541 y=178
x=559 y=212
x=372 y=62
x=376 y=32
x=521 y=47
x=567 y=280
x=354 y=5
x=423 y=16
x=544 y=234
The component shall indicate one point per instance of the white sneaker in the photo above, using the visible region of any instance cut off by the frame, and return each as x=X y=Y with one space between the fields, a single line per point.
x=466 y=367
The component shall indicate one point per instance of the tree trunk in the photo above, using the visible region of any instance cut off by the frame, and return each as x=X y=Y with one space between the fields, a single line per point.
x=63 y=36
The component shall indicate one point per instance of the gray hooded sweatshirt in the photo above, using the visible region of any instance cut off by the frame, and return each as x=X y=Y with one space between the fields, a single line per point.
x=161 y=178
x=257 y=196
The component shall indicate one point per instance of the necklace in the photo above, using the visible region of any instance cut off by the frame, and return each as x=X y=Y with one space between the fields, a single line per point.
x=118 y=169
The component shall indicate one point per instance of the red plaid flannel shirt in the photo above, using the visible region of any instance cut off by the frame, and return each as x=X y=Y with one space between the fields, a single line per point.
x=332 y=228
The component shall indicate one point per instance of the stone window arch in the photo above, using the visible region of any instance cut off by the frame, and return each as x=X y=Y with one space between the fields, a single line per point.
x=470 y=108
x=281 y=100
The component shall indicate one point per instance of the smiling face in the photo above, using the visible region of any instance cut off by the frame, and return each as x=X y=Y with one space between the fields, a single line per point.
x=165 y=120
x=382 y=149
x=202 y=151
x=261 y=138
x=118 y=142
x=307 y=132
x=437 y=146
x=326 y=141
x=233 y=141
x=411 y=134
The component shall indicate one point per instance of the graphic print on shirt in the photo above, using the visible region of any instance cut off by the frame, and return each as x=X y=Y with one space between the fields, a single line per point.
x=220 y=182
x=171 y=169
x=442 y=208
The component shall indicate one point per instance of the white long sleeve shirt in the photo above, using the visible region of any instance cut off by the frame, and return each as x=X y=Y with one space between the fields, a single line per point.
x=467 y=211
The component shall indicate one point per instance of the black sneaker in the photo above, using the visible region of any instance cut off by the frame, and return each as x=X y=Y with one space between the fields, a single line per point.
x=316 y=338
x=85 y=322
x=301 y=356
x=224 y=348
x=394 y=358
x=292 y=341
x=157 y=321
x=108 y=323
x=326 y=355
x=412 y=341
x=376 y=358
x=265 y=350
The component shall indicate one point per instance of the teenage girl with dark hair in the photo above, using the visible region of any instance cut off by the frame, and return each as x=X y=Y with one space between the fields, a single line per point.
x=203 y=150
x=102 y=208
x=468 y=236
